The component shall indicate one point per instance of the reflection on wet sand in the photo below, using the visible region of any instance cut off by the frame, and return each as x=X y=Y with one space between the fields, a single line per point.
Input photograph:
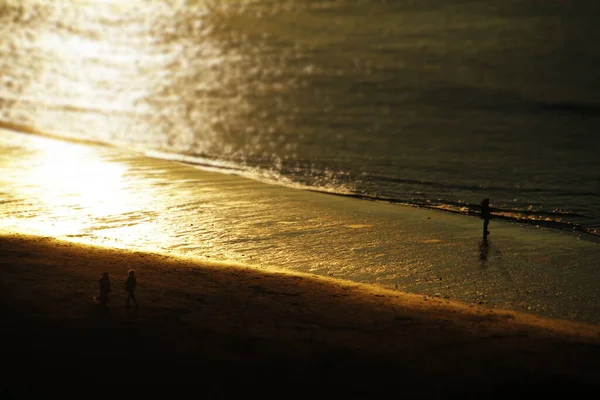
x=484 y=247
x=105 y=196
x=70 y=189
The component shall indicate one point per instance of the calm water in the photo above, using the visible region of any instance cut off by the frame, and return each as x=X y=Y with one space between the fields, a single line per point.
x=434 y=103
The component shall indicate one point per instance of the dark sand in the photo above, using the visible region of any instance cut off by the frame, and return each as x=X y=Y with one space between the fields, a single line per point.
x=238 y=331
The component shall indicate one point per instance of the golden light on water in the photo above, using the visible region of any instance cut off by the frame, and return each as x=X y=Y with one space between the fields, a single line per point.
x=94 y=186
x=87 y=76
x=74 y=191
x=96 y=65
x=81 y=83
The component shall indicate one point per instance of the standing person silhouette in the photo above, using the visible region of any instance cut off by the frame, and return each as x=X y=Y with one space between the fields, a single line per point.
x=485 y=216
x=130 y=285
x=104 y=288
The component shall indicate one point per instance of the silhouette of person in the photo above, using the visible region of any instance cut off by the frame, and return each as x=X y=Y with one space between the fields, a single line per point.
x=104 y=288
x=130 y=285
x=485 y=215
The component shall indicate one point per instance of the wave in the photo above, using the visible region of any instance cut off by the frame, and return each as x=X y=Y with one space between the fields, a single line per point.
x=549 y=219
x=498 y=100
x=546 y=219
x=580 y=109
x=55 y=105
x=491 y=188
x=32 y=130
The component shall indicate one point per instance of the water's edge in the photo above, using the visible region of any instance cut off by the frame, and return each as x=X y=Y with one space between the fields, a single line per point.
x=117 y=198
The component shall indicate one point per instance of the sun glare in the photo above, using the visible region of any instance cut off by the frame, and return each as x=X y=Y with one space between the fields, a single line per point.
x=84 y=82
x=94 y=184
x=75 y=185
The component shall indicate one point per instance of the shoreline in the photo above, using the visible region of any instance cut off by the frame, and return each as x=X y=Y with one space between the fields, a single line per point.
x=120 y=199
x=577 y=230
x=249 y=324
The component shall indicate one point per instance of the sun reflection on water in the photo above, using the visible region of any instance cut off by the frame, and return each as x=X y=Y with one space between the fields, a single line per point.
x=78 y=68
x=74 y=191
x=94 y=72
x=91 y=184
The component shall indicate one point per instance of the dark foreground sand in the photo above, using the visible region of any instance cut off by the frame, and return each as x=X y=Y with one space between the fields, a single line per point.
x=239 y=331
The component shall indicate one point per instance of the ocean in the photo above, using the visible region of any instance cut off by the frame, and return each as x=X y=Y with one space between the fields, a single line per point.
x=429 y=104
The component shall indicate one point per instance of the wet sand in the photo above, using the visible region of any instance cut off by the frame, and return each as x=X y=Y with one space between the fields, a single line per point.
x=235 y=330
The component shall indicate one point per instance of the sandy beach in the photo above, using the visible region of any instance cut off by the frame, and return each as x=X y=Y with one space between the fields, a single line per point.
x=237 y=330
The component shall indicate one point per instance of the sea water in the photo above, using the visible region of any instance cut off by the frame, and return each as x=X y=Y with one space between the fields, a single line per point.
x=434 y=103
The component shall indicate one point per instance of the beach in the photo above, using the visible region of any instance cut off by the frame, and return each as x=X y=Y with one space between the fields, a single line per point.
x=116 y=198
x=246 y=287
x=299 y=193
x=237 y=330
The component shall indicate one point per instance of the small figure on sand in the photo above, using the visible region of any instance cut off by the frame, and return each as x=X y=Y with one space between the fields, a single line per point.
x=130 y=285
x=104 y=289
x=485 y=216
